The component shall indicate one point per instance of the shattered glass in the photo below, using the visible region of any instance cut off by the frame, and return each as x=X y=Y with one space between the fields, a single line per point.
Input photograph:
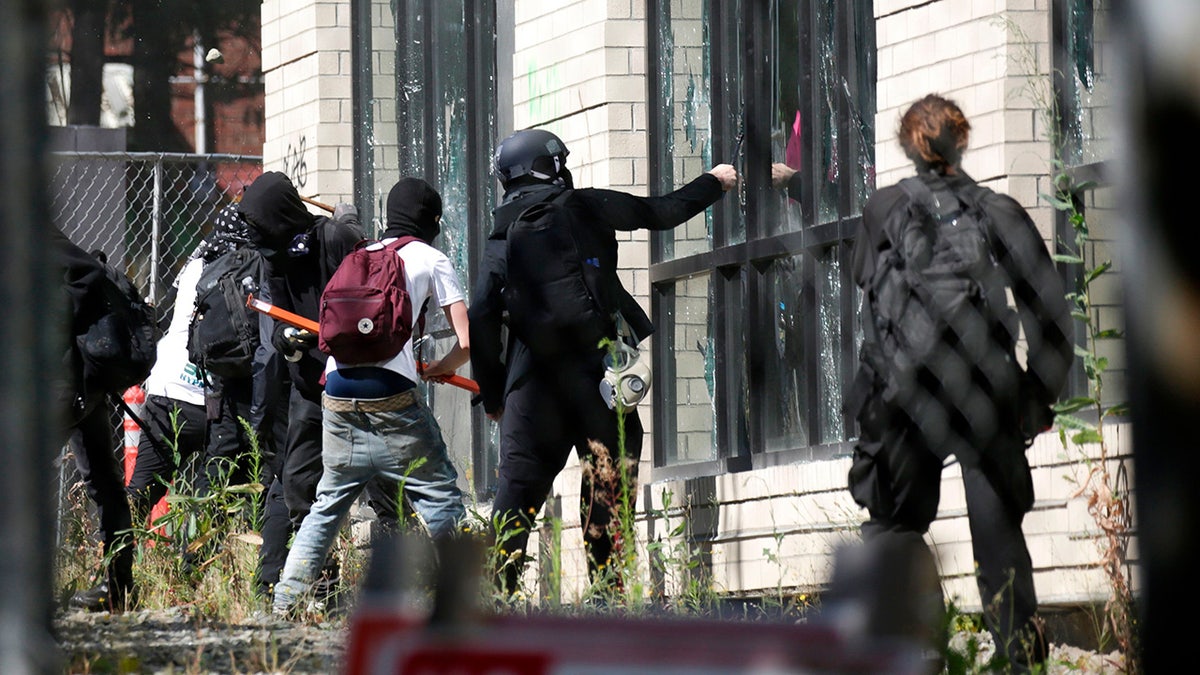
x=690 y=393
x=1087 y=113
x=686 y=91
x=786 y=393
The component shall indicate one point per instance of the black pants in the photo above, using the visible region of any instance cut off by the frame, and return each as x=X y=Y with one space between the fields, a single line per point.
x=555 y=410
x=899 y=482
x=213 y=431
x=155 y=466
x=94 y=443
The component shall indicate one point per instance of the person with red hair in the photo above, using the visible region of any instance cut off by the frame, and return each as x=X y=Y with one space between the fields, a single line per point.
x=970 y=398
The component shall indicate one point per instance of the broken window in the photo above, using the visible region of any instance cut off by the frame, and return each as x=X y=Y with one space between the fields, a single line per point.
x=772 y=336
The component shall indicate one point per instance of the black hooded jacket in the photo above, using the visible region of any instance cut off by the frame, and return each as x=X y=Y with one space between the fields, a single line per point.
x=499 y=369
x=81 y=274
x=303 y=251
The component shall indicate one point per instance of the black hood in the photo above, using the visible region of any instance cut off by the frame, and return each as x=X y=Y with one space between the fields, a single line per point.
x=272 y=208
x=413 y=207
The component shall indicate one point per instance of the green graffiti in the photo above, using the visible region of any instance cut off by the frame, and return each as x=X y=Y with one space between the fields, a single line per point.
x=542 y=84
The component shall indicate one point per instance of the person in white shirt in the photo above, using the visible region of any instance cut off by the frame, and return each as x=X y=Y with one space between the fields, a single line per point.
x=374 y=422
x=187 y=413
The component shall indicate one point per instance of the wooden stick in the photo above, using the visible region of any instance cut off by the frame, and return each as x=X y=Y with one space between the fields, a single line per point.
x=319 y=205
x=312 y=327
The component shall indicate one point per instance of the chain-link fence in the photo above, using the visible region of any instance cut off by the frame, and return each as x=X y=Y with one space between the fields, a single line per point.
x=146 y=211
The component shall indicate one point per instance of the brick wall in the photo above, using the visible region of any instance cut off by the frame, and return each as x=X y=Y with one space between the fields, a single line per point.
x=306 y=67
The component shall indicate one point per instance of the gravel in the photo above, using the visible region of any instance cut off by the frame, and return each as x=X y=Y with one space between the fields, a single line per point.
x=173 y=641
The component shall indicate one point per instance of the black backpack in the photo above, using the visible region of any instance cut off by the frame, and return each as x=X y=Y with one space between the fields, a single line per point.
x=119 y=348
x=555 y=290
x=223 y=335
x=938 y=332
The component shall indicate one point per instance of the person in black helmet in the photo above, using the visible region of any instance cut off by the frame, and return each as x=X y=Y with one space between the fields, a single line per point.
x=545 y=407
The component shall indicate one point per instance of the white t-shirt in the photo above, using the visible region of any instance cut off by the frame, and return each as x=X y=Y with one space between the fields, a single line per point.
x=428 y=274
x=173 y=375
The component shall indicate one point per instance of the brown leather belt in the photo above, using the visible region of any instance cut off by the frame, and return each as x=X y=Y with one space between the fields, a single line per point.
x=370 y=405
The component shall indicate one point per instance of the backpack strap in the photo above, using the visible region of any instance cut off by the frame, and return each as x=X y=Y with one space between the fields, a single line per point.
x=400 y=243
x=932 y=191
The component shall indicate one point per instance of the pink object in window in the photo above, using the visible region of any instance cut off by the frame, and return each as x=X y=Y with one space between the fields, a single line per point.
x=792 y=155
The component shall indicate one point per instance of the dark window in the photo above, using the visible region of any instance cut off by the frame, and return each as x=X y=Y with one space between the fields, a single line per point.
x=1084 y=122
x=757 y=314
x=424 y=104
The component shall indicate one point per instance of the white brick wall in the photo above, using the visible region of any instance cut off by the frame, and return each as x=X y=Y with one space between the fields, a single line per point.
x=306 y=68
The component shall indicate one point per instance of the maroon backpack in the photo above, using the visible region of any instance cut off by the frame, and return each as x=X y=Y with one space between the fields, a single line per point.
x=366 y=313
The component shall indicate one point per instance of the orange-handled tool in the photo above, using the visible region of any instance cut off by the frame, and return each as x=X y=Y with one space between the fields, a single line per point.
x=312 y=327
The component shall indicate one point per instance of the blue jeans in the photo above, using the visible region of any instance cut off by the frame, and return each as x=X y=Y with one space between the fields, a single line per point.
x=404 y=445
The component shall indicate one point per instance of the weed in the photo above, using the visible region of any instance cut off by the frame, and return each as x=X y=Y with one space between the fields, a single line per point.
x=1103 y=485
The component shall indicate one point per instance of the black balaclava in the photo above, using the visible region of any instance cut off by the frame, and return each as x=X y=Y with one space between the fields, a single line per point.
x=413 y=207
x=272 y=208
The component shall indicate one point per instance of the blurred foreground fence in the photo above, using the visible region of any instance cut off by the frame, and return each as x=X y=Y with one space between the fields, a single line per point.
x=146 y=211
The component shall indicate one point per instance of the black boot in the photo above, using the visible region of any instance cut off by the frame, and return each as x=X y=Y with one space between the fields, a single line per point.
x=100 y=598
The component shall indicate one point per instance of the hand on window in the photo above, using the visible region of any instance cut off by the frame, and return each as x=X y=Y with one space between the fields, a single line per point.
x=726 y=174
x=780 y=175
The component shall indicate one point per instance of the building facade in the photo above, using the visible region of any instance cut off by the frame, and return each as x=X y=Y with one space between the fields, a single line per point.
x=757 y=315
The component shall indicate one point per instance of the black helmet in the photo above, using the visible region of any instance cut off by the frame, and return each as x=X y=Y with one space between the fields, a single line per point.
x=530 y=152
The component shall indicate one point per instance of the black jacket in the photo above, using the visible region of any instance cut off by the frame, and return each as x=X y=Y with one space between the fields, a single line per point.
x=498 y=368
x=303 y=251
x=81 y=273
x=1020 y=251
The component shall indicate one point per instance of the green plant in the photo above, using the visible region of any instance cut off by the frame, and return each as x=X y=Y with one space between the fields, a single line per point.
x=686 y=586
x=1102 y=485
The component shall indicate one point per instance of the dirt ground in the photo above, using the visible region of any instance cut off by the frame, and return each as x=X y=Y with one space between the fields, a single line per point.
x=172 y=641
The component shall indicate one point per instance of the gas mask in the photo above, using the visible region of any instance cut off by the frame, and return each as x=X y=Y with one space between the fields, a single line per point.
x=626 y=378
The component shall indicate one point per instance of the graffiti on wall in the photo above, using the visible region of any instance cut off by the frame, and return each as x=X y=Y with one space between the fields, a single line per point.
x=294 y=164
x=542 y=84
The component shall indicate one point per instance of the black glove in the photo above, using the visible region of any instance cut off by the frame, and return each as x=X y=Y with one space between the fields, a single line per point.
x=343 y=212
x=292 y=342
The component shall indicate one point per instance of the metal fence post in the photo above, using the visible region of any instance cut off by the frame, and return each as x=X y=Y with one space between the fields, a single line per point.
x=156 y=228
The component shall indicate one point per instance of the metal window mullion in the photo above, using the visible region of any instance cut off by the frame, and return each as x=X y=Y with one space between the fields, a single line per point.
x=812 y=358
x=849 y=320
x=434 y=109
x=722 y=212
x=483 y=45
x=844 y=30
x=362 y=93
x=658 y=14
x=727 y=376
x=755 y=347
x=662 y=297
x=808 y=147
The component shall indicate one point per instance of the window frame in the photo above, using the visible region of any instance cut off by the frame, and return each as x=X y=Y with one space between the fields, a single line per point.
x=1092 y=174
x=737 y=268
x=488 y=32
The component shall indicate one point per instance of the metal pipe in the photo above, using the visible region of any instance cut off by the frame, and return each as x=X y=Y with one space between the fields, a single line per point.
x=156 y=229
x=200 y=115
